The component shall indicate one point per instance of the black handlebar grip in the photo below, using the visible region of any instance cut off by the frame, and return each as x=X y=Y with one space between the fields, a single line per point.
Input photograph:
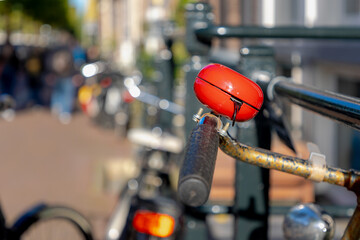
x=197 y=171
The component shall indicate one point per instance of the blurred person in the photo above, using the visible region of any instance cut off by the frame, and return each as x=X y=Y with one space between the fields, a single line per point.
x=63 y=68
x=22 y=92
x=48 y=77
x=93 y=54
x=34 y=69
x=79 y=54
x=8 y=69
x=79 y=58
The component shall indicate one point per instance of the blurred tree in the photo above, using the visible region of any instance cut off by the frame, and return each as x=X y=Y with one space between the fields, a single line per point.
x=179 y=49
x=54 y=12
x=57 y=13
x=180 y=12
x=5 y=10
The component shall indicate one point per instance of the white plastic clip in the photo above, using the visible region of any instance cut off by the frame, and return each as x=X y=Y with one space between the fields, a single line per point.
x=318 y=162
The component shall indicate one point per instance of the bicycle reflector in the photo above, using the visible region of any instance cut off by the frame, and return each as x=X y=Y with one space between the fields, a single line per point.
x=152 y=223
x=228 y=92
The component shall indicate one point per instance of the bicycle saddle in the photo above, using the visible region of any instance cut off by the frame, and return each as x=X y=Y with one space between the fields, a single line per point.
x=228 y=92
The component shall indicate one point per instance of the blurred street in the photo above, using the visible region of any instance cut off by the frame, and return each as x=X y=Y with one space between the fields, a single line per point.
x=43 y=160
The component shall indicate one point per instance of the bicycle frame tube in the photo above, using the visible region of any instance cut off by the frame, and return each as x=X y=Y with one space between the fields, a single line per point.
x=278 y=32
x=353 y=230
x=293 y=165
x=333 y=105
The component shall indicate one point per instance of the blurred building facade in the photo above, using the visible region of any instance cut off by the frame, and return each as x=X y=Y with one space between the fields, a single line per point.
x=327 y=64
x=120 y=26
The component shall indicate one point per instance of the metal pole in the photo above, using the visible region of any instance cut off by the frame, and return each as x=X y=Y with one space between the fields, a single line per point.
x=251 y=204
x=352 y=231
x=164 y=64
x=197 y=14
x=210 y=32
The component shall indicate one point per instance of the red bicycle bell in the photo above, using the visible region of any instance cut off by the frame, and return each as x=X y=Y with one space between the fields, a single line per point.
x=228 y=92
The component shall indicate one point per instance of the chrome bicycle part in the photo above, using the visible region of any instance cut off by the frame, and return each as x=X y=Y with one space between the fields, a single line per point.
x=308 y=221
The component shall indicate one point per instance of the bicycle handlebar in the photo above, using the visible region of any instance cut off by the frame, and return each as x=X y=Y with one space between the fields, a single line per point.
x=197 y=170
x=198 y=167
x=336 y=106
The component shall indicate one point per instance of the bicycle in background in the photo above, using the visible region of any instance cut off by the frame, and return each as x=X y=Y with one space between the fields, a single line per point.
x=147 y=207
x=104 y=98
x=47 y=222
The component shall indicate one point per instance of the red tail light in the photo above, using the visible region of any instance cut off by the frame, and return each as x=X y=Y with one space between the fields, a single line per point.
x=127 y=96
x=105 y=82
x=152 y=223
x=228 y=92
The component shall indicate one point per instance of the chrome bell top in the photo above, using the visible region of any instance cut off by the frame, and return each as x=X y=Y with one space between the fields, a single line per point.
x=308 y=221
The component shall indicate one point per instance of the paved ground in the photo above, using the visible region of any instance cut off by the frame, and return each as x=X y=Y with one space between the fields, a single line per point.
x=43 y=160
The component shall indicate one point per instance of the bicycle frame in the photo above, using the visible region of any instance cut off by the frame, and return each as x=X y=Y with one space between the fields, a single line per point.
x=151 y=189
x=300 y=167
x=41 y=213
x=332 y=105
